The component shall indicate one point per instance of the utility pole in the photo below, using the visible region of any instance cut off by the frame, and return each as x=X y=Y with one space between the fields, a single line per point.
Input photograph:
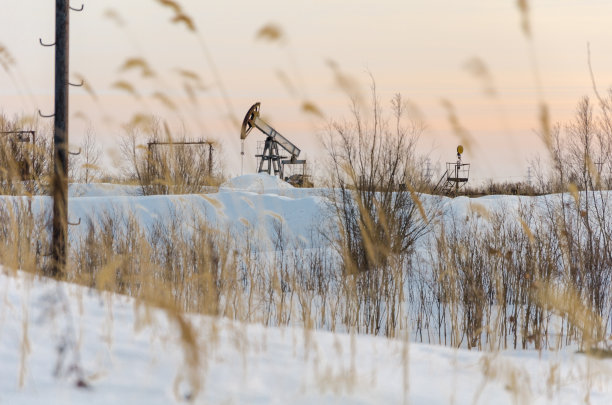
x=529 y=175
x=428 y=173
x=59 y=182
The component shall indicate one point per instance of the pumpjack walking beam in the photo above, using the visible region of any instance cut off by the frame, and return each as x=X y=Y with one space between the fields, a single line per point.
x=270 y=154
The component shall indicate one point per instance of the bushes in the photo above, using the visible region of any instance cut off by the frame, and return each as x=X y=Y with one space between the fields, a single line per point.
x=374 y=178
x=165 y=165
x=502 y=280
x=534 y=275
x=25 y=160
x=525 y=276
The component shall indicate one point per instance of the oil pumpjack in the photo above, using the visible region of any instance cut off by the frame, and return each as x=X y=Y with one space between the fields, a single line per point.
x=270 y=159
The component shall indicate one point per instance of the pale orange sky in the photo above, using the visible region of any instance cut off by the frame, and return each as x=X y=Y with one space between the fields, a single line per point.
x=418 y=48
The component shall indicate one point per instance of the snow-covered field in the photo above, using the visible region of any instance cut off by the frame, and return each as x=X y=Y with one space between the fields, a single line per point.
x=253 y=201
x=65 y=344
x=53 y=335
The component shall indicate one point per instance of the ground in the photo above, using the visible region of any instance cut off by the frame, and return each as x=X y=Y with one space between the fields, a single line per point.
x=66 y=344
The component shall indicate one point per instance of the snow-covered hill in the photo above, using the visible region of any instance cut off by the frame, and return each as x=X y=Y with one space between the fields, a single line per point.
x=55 y=335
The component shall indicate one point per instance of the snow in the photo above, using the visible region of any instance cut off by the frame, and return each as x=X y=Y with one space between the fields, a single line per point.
x=258 y=183
x=53 y=334
x=255 y=201
x=123 y=360
x=102 y=190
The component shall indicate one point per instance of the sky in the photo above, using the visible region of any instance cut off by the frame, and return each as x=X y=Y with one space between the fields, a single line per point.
x=427 y=50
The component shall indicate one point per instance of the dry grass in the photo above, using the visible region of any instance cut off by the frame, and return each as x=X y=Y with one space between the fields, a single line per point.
x=26 y=159
x=164 y=164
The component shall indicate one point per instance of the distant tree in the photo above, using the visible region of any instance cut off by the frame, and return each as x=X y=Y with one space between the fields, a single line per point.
x=581 y=136
x=89 y=159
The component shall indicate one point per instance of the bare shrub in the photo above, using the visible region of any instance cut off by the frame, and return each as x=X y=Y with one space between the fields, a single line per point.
x=501 y=281
x=26 y=160
x=165 y=164
x=374 y=179
x=85 y=167
x=24 y=236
